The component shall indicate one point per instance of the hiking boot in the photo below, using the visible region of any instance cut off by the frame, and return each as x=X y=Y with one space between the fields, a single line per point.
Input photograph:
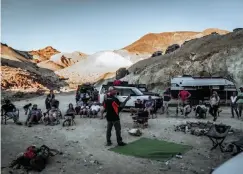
x=122 y=144
x=108 y=143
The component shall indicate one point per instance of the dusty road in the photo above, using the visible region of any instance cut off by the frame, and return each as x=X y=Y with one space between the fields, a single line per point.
x=84 y=150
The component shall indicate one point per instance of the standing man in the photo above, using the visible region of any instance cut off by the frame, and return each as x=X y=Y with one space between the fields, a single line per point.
x=234 y=105
x=112 y=107
x=49 y=98
x=166 y=99
x=239 y=101
x=183 y=96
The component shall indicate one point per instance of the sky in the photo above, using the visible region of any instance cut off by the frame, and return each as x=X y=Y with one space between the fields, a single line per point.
x=90 y=26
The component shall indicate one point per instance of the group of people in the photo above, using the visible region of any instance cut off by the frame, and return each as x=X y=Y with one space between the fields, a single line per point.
x=144 y=106
x=185 y=106
x=112 y=107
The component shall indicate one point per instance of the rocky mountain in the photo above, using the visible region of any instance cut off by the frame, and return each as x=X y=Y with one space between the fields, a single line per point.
x=44 y=54
x=18 y=71
x=219 y=55
x=62 y=60
x=160 y=41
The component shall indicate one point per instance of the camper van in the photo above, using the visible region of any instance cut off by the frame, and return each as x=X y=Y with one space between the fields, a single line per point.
x=201 y=88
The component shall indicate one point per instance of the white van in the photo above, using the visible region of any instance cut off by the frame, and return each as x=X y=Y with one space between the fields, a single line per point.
x=232 y=166
x=124 y=92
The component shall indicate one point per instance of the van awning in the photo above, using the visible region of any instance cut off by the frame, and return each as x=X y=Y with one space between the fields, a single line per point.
x=205 y=82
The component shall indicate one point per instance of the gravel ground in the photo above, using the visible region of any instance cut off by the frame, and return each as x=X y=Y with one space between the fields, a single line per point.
x=84 y=149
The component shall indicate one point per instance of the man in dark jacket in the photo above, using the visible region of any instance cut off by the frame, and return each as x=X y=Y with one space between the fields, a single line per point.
x=112 y=108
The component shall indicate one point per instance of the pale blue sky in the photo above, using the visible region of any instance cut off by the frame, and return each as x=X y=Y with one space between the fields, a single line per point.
x=94 y=25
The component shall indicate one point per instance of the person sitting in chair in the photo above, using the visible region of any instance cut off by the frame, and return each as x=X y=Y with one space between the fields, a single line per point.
x=187 y=108
x=79 y=104
x=10 y=110
x=94 y=109
x=149 y=105
x=70 y=111
x=200 y=110
x=34 y=116
x=53 y=114
x=139 y=106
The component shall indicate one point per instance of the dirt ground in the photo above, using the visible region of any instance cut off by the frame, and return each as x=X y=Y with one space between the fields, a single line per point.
x=84 y=149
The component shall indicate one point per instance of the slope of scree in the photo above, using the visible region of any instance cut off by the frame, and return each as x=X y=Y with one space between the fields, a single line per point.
x=160 y=41
x=219 y=55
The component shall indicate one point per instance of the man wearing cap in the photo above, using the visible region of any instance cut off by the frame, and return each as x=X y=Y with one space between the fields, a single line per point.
x=239 y=101
x=112 y=107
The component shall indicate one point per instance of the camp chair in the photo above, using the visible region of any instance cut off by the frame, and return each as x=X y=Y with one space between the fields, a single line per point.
x=69 y=120
x=5 y=117
x=141 y=119
x=217 y=134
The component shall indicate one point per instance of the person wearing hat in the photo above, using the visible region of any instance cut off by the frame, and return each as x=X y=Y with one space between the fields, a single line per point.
x=113 y=107
x=239 y=101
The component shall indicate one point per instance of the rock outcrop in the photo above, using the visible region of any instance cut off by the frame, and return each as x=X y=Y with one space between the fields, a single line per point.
x=216 y=54
x=160 y=41
x=20 y=72
x=172 y=48
x=44 y=54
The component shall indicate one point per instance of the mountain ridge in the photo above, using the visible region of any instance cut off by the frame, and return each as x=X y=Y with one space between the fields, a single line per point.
x=152 y=42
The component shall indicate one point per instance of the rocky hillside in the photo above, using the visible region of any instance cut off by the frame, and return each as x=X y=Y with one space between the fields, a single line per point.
x=44 y=54
x=160 y=41
x=220 y=55
x=20 y=72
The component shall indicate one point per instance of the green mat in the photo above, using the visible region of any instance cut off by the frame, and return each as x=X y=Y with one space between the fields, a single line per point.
x=151 y=149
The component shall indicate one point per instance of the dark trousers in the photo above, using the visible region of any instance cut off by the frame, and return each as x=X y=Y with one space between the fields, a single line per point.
x=234 y=109
x=214 y=111
x=117 y=126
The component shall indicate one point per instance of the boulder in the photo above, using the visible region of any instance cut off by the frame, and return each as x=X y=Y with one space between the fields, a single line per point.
x=157 y=53
x=122 y=72
x=237 y=29
x=172 y=48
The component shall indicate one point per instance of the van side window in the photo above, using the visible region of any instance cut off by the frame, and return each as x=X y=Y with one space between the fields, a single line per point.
x=127 y=92
x=174 y=85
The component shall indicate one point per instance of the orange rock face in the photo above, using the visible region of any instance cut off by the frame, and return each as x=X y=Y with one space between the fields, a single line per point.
x=45 y=53
x=160 y=41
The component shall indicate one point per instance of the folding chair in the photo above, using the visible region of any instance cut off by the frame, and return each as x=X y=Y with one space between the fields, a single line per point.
x=217 y=134
x=141 y=119
x=69 y=120
x=5 y=117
